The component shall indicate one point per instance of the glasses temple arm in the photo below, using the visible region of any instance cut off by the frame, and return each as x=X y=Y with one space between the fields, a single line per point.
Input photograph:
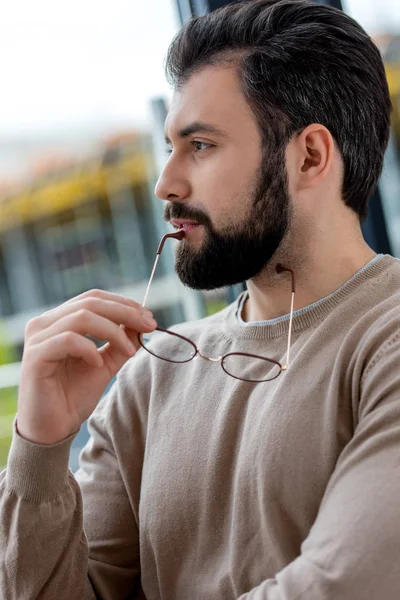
x=150 y=281
x=279 y=269
x=290 y=330
x=178 y=235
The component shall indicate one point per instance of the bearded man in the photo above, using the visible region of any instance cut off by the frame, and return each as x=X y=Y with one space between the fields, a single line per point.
x=253 y=454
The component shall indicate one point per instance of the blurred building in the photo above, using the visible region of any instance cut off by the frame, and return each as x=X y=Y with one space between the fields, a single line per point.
x=68 y=225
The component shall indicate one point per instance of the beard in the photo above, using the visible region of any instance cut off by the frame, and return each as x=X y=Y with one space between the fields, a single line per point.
x=237 y=252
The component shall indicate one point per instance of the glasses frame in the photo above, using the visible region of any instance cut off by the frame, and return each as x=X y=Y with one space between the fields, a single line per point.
x=282 y=367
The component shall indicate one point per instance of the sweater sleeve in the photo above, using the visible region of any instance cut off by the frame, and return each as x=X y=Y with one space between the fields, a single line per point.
x=352 y=551
x=43 y=550
x=64 y=536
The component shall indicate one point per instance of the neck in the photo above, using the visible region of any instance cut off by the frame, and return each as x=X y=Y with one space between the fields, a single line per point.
x=320 y=269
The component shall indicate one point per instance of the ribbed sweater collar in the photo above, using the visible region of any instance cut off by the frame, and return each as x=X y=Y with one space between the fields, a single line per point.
x=305 y=317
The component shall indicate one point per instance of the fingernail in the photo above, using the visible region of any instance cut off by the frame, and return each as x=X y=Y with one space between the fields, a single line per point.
x=149 y=321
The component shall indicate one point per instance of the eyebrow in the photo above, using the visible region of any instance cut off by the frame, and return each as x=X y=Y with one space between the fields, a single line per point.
x=198 y=127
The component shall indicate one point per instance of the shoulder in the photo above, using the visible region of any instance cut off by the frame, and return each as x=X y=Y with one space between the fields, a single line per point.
x=371 y=309
x=375 y=331
x=381 y=319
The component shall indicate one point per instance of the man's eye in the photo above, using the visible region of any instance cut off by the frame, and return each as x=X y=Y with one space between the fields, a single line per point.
x=199 y=146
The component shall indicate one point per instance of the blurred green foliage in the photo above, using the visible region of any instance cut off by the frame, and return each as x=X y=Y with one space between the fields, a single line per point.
x=214 y=305
x=8 y=399
x=8 y=409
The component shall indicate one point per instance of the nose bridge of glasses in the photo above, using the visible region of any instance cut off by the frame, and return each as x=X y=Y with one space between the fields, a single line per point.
x=209 y=358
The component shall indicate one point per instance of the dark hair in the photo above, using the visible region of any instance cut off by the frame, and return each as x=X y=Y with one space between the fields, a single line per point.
x=299 y=63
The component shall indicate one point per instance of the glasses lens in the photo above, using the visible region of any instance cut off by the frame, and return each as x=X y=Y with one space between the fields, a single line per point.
x=250 y=368
x=168 y=346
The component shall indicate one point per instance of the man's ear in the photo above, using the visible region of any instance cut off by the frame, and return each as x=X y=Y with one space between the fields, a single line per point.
x=313 y=149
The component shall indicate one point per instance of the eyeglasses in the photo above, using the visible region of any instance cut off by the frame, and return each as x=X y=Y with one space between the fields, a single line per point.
x=239 y=365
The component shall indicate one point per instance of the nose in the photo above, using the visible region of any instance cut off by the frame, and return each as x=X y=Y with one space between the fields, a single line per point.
x=172 y=183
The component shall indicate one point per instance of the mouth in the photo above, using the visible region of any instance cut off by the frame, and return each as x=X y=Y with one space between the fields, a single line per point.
x=185 y=225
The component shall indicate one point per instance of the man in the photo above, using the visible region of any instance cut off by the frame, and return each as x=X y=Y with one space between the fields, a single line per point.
x=275 y=477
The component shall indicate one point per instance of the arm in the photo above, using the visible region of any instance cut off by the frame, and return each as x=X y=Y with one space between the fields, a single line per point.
x=43 y=547
x=353 y=549
x=43 y=550
x=48 y=516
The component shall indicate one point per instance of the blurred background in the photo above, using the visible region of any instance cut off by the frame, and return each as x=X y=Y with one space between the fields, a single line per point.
x=81 y=144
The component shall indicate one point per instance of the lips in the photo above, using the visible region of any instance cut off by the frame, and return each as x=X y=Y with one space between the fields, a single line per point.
x=185 y=225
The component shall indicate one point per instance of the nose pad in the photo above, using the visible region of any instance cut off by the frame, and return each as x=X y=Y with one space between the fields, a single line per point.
x=209 y=358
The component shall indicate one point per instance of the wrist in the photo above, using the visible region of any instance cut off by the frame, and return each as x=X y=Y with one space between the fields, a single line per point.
x=40 y=436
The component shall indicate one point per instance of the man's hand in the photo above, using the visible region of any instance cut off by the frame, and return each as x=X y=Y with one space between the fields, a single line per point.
x=63 y=373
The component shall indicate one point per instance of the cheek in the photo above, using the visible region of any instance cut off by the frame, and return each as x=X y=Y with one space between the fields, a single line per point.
x=225 y=187
x=237 y=168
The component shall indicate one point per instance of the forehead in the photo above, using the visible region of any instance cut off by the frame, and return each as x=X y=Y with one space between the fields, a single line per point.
x=211 y=95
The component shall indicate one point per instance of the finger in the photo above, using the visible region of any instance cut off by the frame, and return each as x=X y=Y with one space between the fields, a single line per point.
x=133 y=336
x=62 y=346
x=112 y=356
x=54 y=313
x=84 y=323
x=117 y=312
x=105 y=295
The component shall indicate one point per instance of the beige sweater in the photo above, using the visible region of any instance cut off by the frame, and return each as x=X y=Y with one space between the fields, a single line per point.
x=196 y=486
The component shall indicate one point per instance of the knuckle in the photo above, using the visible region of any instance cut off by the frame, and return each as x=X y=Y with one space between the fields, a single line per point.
x=90 y=304
x=82 y=314
x=69 y=338
x=95 y=292
x=32 y=326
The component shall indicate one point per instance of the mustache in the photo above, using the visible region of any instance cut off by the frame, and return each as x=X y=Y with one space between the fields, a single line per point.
x=176 y=210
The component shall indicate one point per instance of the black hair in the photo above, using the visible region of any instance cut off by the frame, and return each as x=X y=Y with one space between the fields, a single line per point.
x=299 y=63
